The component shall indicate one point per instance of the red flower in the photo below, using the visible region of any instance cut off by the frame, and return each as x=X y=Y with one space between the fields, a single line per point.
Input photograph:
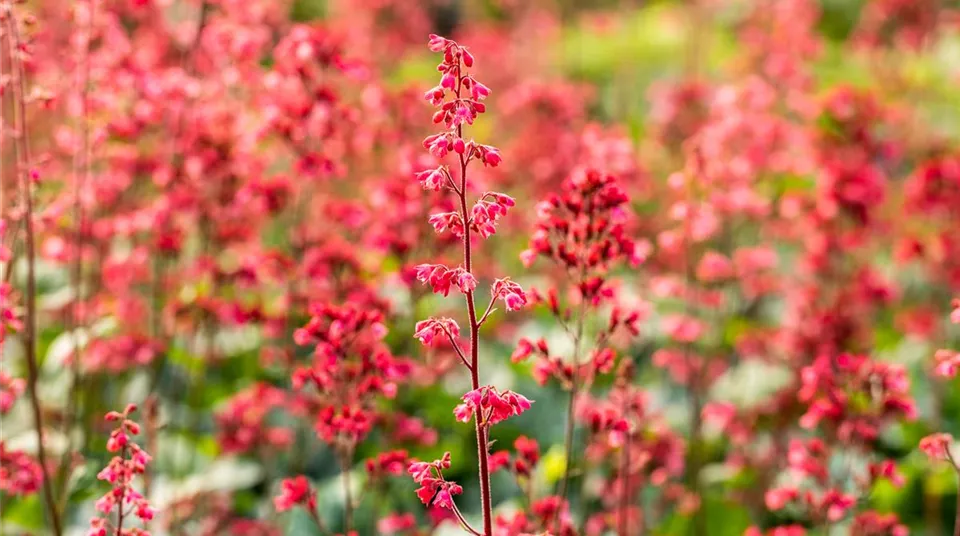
x=937 y=446
x=492 y=405
x=428 y=330
x=295 y=492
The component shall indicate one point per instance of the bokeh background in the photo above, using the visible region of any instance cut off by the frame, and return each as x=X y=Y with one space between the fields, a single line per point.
x=217 y=200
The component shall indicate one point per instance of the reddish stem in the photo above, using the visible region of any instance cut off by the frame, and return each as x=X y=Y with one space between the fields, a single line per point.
x=482 y=450
x=22 y=149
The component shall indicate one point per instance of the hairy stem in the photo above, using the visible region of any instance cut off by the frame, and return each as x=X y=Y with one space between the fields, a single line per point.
x=482 y=440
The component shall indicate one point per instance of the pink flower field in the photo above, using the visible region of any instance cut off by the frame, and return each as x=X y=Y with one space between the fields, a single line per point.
x=480 y=267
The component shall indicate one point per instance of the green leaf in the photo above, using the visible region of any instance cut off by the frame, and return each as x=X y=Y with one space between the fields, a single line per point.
x=299 y=523
x=23 y=512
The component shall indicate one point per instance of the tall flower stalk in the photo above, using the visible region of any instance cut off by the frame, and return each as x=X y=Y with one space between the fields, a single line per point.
x=459 y=98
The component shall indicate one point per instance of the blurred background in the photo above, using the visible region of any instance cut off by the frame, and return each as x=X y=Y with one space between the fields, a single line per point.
x=202 y=179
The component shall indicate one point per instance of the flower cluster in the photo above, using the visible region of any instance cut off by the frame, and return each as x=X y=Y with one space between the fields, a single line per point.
x=584 y=227
x=434 y=489
x=222 y=206
x=829 y=386
x=243 y=422
x=490 y=406
x=350 y=367
x=20 y=471
x=296 y=492
x=129 y=462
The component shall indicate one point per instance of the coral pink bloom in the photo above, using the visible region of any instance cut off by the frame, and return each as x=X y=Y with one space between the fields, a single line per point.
x=937 y=446
x=295 y=492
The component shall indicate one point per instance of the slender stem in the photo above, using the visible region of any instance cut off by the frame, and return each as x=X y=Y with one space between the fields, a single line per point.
x=956 y=468
x=316 y=519
x=347 y=493
x=568 y=436
x=482 y=440
x=456 y=346
x=123 y=492
x=22 y=150
x=463 y=521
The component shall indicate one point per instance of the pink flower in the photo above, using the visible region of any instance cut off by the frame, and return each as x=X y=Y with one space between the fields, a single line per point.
x=447 y=220
x=837 y=504
x=511 y=294
x=10 y=390
x=465 y=281
x=438 y=44
x=490 y=208
x=714 y=267
x=491 y=405
x=441 y=278
x=432 y=328
x=887 y=469
x=777 y=499
x=948 y=362
x=295 y=492
x=396 y=523
x=434 y=95
x=433 y=179
x=498 y=460
x=130 y=461
x=937 y=446
x=603 y=360
x=490 y=156
x=438 y=144
x=683 y=328
x=434 y=489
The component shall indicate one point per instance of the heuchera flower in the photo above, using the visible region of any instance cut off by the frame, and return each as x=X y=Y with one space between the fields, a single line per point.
x=10 y=390
x=432 y=328
x=243 y=422
x=296 y=491
x=948 y=361
x=129 y=462
x=937 y=446
x=441 y=278
x=458 y=99
x=584 y=226
x=434 y=490
x=351 y=368
x=829 y=387
x=20 y=473
x=492 y=406
x=511 y=294
x=490 y=208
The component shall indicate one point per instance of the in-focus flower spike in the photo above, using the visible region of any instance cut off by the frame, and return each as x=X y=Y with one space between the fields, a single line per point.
x=458 y=99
